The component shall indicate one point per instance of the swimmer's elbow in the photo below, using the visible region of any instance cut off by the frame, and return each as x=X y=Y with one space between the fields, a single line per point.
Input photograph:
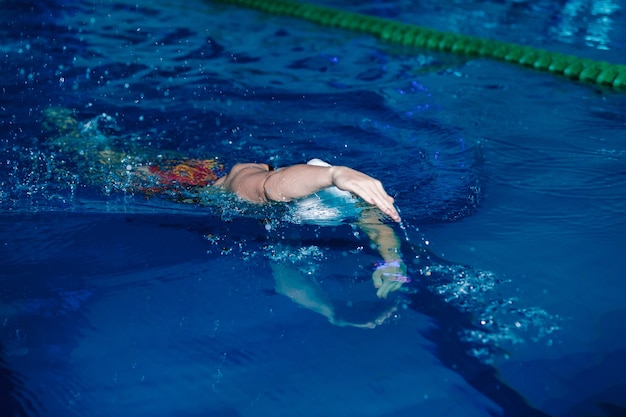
x=278 y=188
x=272 y=193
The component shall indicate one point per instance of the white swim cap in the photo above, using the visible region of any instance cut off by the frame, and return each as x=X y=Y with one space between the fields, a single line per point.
x=318 y=162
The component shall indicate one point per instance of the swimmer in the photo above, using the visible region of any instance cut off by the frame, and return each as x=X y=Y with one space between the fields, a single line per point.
x=257 y=183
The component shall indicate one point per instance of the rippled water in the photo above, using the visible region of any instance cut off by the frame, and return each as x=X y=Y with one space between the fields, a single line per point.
x=511 y=184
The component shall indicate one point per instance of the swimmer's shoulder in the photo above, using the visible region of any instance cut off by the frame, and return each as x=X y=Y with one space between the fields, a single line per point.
x=247 y=181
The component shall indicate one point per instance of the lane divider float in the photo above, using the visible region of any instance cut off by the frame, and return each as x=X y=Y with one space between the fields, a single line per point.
x=588 y=70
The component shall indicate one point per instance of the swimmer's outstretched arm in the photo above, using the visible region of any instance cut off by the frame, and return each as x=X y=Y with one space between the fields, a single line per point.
x=390 y=274
x=255 y=182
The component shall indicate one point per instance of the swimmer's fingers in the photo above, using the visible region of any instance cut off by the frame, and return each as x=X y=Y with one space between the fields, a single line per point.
x=369 y=189
x=375 y=194
x=387 y=288
x=388 y=281
x=377 y=277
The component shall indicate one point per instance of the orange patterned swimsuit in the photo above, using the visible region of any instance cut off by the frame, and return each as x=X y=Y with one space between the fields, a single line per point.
x=182 y=175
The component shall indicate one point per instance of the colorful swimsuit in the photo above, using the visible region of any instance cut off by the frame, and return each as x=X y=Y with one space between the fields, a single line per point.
x=188 y=172
x=176 y=176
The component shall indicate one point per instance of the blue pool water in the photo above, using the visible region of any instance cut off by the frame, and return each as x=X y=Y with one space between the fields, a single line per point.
x=511 y=184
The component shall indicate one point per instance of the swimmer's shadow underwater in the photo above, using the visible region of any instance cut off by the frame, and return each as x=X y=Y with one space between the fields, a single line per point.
x=348 y=286
x=338 y=263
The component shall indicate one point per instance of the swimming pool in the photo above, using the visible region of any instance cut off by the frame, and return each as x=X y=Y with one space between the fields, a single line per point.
x=511 y=184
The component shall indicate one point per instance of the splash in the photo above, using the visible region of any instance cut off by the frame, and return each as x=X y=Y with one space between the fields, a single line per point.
x=497 y=323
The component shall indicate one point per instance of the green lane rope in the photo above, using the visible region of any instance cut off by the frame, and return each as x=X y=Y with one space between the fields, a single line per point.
x=599 y=72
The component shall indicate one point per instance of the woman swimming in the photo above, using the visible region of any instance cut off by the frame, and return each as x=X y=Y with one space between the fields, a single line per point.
x=181 y=178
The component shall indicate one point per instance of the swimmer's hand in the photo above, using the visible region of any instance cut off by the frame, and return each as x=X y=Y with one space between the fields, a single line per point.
x=389 y=277
x=369 y=189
